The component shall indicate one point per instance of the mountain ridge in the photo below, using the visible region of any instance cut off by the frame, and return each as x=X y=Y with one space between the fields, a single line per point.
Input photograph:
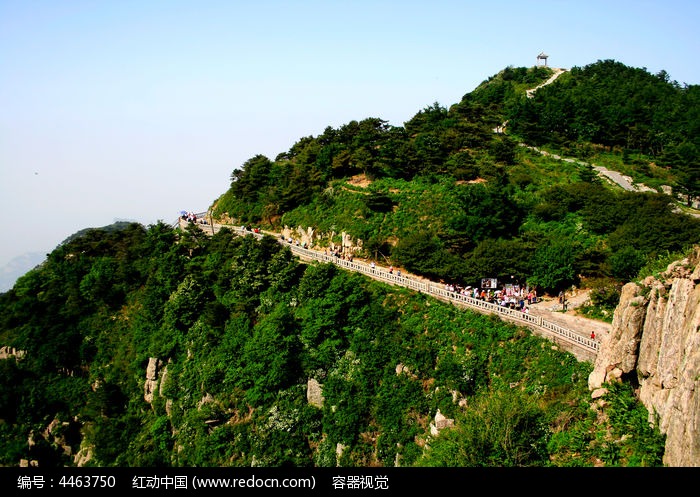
x=167 y=347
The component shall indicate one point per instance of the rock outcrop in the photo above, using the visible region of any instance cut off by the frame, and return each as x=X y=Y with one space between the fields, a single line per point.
x=314 y=393
x=655 y=342
x=151 y=383
x=7 y=352
x=440 y=423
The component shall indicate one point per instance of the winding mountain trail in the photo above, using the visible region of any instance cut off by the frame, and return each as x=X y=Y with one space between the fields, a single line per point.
x=625 y=182
x=546 y=318
x=615 y=177
x=558 y=71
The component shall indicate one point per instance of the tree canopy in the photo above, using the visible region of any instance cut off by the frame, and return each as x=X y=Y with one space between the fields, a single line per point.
x=152 y=347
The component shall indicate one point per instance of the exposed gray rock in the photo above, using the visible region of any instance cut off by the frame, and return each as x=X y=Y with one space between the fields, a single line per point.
x=83 y=456
x=440 y=423
x=7 y=352
x=206 y=399
x=656 y=336
x=151 y=383
x=314 y=393
x=306 y=236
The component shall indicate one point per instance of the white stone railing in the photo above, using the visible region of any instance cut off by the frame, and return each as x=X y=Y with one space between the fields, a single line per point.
x=548 y=328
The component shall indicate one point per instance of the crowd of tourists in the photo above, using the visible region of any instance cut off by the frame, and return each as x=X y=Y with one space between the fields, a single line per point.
x=512 y=296
x=191 y=217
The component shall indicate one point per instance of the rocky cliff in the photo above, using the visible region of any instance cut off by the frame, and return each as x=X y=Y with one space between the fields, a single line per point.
x=655 y=343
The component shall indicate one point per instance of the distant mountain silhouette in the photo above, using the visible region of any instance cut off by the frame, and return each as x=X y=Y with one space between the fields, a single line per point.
x=17 y=267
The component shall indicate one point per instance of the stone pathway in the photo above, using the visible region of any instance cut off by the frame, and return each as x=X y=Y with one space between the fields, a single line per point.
x=551 y=310
x=557 y=72
x=548 y=307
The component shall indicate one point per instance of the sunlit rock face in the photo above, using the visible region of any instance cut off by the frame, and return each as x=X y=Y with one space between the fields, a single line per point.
x=655 y=341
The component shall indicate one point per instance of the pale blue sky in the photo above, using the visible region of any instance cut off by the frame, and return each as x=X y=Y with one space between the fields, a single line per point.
x=138 y=109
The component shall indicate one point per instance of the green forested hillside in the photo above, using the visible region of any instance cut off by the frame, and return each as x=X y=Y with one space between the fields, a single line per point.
x=448 y=198
x=236 y=328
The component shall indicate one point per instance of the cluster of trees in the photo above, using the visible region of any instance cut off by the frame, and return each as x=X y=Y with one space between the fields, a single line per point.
x=619 y=107
x=238 y=326
x=450 y=199
x=458 y=142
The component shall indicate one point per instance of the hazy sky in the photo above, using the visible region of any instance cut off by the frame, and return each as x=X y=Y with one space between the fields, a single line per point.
x=135 y=110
